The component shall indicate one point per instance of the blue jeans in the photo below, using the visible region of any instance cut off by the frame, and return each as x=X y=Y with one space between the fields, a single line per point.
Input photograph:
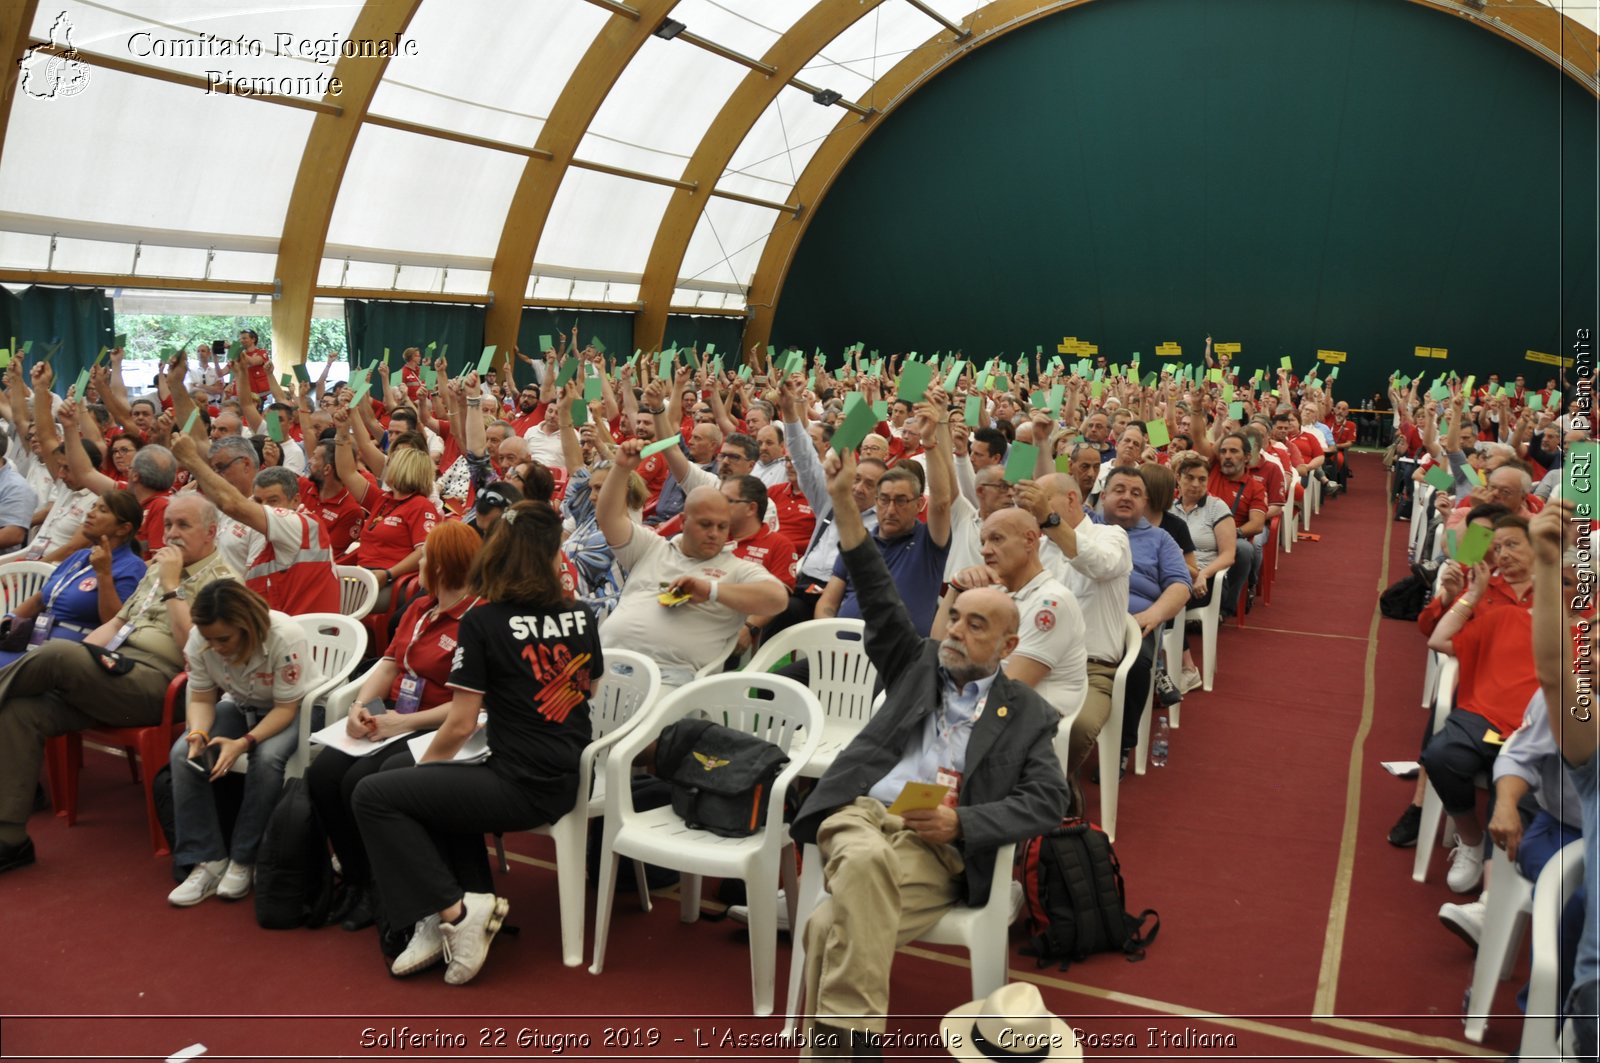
x=194 y=808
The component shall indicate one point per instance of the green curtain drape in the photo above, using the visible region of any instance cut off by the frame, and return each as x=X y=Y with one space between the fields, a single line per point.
x=725 y=332
x=613 y=329
x=373 y=324
x=80 y=319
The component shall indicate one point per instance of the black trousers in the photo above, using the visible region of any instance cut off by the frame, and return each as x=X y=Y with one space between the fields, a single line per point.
x=423 y=828
x=1139 y=678
x=1454 y=758
x=331 y=780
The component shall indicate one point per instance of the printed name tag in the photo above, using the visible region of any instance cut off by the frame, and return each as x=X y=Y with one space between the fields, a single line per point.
x=41 y=629
x=411 y=688
x=951 y=778
x=120 y=637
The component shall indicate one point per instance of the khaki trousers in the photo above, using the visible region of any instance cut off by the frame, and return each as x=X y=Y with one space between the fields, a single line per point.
x=55 y=689
x=888 y=886
x=1091 y=718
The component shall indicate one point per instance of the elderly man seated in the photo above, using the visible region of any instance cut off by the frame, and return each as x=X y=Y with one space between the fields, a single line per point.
x=116 y=677
x=952 y=717
x=685 y=599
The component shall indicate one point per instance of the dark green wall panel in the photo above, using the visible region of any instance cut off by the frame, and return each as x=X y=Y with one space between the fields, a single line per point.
x=1362 y=175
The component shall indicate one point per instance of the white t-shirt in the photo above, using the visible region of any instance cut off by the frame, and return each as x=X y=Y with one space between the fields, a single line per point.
x=281 y=671
x=67 y=510
x=1098 y=579
x=545 y=447
x=681 y=639
x=1051 y=632
x=966 y=537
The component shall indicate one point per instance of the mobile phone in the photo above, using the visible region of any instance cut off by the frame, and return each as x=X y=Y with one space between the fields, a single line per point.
x=219 y=347
x=671 y=598
x=205 y=761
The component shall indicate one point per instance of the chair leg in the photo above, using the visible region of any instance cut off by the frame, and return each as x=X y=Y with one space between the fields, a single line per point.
x=1506 y=915
x=689 y=898
x=762 y=898
x=1141 y=752
x=804 y=902
x=989 y=958
x=641 y=885
x=500 y=854
x=55 y=762
x=1208 y=637
x=602 y=905
x=133 y=763
x=569 y=833
x=1109 y=766
x=153 y=749
x=1427 y=834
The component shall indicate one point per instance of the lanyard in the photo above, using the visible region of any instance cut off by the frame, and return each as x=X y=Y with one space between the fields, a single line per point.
x=62 y=585
x=422 y=621
x=394 y=504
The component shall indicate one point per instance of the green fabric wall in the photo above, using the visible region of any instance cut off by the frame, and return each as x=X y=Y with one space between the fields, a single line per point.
x=701 y=329
x=612 y=328
x=373 y=324
x=80 y=319
x=1358 y=175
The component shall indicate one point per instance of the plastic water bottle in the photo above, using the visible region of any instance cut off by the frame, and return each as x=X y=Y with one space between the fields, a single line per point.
x=1158 y=742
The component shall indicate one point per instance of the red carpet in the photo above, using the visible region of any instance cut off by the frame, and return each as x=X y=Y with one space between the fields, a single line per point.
x=1237 y=843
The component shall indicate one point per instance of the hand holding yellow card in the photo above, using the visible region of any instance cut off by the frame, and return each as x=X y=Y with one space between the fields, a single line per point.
x=918 y=797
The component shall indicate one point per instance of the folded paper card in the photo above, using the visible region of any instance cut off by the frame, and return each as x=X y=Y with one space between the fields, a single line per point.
x=918 y=797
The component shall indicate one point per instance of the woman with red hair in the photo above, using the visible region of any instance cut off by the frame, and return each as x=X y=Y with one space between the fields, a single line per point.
x=402 y=694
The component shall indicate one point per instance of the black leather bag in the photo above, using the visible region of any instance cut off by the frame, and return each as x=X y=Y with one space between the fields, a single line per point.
x=721 y=779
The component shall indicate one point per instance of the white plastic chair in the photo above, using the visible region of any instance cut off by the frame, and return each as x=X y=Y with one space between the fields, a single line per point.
x=336 y=644
x=791 y=719
x=1172 y=651
x=1210 y=617
x=1288 y=526
x=1109 y=743
x=358 y=590
x=841 y=677
x=21 y=580
x=1508 y=904
x=981 y=931
x=1541 y=1037
x=1432 y=808
x=620 y=701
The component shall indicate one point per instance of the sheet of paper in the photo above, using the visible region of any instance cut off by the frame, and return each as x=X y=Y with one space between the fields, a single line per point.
x=1019 y=462
x=335 y=736
x=475 y=748
x=1404 y=769
x=918 y=797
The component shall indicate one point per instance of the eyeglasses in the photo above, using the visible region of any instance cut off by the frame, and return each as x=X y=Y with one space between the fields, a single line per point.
x=225 y=466
x=897 y=501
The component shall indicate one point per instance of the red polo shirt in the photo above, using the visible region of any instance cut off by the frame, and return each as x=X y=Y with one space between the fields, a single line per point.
x=396 y=527
x=1241 y=496
x=772 y=551
x=153 y=532
x=424 y=644
x=796 y=521
x=340 y=515
x=1495 y=649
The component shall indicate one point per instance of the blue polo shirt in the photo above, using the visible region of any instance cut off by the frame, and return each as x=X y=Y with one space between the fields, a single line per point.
x=18 y=501
x=916 y=565
x=1157 y=565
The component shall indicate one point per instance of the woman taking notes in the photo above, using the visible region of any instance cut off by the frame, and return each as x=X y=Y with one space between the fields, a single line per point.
x=528 y=656
x=404 y=692
x=249 y=668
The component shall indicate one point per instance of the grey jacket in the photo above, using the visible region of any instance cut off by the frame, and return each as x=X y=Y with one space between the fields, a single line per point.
x=1013 y=787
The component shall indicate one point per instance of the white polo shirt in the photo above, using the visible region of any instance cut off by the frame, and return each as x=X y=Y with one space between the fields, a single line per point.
x=67 y=510
x=681 y=639
x=1051 y=633
x=545 y=447
x=1098 y=579
x=281 y=671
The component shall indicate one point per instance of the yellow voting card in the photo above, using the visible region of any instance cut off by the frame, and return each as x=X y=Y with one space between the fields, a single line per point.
x=918 y=797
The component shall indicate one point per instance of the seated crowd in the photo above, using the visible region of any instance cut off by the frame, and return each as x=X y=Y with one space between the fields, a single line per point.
x=996 y=528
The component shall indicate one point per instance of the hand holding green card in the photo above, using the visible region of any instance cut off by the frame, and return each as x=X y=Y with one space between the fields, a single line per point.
x=1474 y=545
x=1020 y=460
x=858 y=421
x=1157 y=430
x=659 y=445
x=1440 y=479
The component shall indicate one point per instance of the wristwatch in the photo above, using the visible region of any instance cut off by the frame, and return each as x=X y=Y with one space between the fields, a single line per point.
x=175 y=593
x=1052 y=521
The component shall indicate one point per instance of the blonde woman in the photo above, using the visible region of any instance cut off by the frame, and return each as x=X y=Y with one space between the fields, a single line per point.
x=398 y=518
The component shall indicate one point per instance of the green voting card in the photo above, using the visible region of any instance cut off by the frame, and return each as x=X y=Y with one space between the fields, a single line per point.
x=1287 y=363
x=274 y=427
x=914 y=380
x=1037 y=399
x=858 y=421
x=1236 y=411
x=568 y=370
x=1473 y=546
x=580 y=413
x=302 y=372
x=487 y=360
x=973 y=414
x=664 y=363
x=795 y=363
x=1064 y=464
x=1227 y=393
x=597 y=345
x=954 y=376
x=593 y=391
x=1019 y=462
x=880 y=409
x=1058 y=392
x=285 y=380
x=711 y=348
x=430 y=377
x=1535 y=402
x=1214 y=376
x=121 y=342
x=1439 y=392
x=772 y=352
x=194 y=415
x=546 y=343
x=1159 y=437
x=83 y=378
x=1440 y=479
x=659 y=445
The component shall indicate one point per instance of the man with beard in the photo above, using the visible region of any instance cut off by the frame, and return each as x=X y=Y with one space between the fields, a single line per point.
x=529 y=410
x=544 y=438
x=1246 y=498
x=330 y=501
x=950 y=716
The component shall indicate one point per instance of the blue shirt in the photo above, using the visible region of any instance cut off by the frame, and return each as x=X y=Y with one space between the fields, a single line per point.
x=72 y=593
x=18 y=501
x=944 y=739
x=1586 y=780
x=1157 y=565
x=916 y=564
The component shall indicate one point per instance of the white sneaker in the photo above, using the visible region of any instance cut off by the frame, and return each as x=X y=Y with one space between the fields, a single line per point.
x=1190 y=680
x=201 y=883
x=1466 y=868
x=425 y=949
x=466 y=944
x=740 y=913
x=236 y=881
x=1465 y=921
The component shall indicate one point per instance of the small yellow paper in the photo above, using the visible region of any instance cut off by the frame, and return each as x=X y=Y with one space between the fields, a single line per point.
x=918 y=797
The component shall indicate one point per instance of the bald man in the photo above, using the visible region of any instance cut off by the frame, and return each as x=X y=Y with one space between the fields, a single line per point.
x=950 y=716
x=1049 y=655
x=723 y=590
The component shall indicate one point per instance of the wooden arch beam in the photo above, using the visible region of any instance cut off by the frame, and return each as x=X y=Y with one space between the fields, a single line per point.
x=801 y=44
x=609 y=54
x=1540 y=29
x=16 y=22
x=321 y=176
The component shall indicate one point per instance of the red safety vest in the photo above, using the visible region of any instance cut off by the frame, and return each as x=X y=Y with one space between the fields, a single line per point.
x=304 y=582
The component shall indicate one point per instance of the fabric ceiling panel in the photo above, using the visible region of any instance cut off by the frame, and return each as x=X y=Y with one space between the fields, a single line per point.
x=727 y=243
x=359 y=274
x=467 y=282
x=24 y=250
x=243 y=266
x=660 y=107
x=749 y=27
x=129 y=150
x=521 y=56
x=296 y=39
x=775 y=152
x=864 y=52
x=93 y=256
x=423 y=195
x=602 y=222
x=170 y=262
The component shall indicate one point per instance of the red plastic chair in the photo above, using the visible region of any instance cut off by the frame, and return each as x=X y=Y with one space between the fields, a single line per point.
x=151 y=745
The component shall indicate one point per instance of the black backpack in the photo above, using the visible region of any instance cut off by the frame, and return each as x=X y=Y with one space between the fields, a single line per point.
x=1405 y=599
x=1073 y=894
x=721 y=778
x=294 y=875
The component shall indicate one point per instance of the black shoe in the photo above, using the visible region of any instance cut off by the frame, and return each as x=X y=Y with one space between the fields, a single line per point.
x=1403 y=835
x=15 y=856
x=363 y=913
x=345 y=897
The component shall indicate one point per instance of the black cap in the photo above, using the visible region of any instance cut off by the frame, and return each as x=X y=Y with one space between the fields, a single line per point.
x=498 y=495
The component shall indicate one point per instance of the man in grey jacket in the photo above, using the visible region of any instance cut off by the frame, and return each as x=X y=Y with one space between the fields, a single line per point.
x=950 y=716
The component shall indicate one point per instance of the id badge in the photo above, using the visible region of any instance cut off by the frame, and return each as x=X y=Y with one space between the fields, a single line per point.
x=41 y=629
x=120 y=637
x=951 y=778
x=411 y=688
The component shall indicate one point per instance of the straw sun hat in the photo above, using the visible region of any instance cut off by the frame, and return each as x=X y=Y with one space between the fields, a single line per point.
x=1011 y=1023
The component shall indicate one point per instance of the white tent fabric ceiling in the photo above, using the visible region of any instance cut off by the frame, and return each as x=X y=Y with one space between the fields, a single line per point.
x=137 y=176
